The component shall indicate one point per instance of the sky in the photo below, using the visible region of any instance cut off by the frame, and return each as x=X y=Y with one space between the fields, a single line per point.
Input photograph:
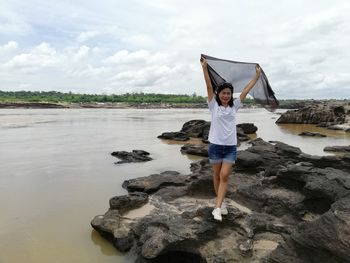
x=154 y=46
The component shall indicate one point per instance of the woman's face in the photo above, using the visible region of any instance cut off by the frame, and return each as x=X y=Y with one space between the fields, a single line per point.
x=225 y=95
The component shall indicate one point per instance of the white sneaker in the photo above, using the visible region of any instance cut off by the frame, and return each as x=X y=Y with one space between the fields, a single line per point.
x=224 y=209
x=217 y=214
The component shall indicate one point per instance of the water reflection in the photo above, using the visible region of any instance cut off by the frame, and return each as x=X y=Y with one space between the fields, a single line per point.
x=299 y=128
x=105 y=246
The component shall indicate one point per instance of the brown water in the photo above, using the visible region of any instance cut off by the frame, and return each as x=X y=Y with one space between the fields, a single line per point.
x=56 y=172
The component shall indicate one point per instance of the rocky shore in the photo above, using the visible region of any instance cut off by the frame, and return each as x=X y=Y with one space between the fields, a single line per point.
x=284 y=206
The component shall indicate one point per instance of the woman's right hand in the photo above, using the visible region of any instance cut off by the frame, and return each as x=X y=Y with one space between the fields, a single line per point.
x=257 y=70
x=204 y=62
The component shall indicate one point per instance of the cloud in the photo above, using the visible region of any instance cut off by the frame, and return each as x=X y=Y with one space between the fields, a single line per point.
x=40 y=57
x=10 y=46
x=154 y=46
x=124 y=57
x=84 y=36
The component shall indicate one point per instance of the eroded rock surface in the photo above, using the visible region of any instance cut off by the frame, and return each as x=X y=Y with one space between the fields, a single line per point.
x=284 y=206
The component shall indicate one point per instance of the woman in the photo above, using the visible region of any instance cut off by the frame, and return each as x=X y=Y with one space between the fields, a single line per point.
x=222 y=135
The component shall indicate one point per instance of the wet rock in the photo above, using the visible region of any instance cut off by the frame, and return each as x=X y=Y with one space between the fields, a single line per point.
x=312 y=134
x=132 y=157
x=177 y=136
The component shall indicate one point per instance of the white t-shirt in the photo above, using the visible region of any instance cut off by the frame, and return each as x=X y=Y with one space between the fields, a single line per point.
x=223 y=122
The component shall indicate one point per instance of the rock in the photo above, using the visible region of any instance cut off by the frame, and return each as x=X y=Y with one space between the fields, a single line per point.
x=248 y=128
x=154 y=182
x=327 y=184
x=200 y=129
x=344 y=149
x=248 y=160
x=312 y=134
x=199 y=150
x=132 y=157
x=196 y=128
x=241 y=136
x=338 y=162
x=284 y=205
x=177 y=136
x=193 y=128
x=326 y=239
x=315 y=114
x=111 y=226
x=127 y=202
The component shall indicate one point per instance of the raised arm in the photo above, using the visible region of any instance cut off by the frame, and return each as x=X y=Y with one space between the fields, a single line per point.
x=251 y=83
x=204 y=64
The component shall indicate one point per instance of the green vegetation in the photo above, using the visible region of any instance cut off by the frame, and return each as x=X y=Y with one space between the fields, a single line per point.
x=59 y=97
x=131 y=98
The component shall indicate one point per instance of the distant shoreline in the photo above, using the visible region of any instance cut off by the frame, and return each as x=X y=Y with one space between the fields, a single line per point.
x=155 y=105
x=118 y=105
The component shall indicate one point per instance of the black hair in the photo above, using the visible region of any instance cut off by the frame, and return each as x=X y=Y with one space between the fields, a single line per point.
x=222 y=87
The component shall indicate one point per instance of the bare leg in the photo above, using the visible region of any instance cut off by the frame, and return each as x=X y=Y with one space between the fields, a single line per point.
x=225 y=171
x=216 y=176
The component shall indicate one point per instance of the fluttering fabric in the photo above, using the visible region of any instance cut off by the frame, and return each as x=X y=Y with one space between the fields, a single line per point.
x=239 y=74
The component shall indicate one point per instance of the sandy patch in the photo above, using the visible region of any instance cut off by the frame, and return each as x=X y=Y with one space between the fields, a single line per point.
x=263 y=244
x=139 y=212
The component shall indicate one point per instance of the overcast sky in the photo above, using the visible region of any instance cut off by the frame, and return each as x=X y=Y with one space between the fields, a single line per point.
x=154 y=45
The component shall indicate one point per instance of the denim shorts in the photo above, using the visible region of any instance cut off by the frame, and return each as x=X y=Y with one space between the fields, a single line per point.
x=222 y=153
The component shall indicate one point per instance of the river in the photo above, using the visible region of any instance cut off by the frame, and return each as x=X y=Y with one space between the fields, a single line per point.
x=56 y=172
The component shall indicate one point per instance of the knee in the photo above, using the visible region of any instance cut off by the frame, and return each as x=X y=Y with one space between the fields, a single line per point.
x=216 y=176
x=224 y=177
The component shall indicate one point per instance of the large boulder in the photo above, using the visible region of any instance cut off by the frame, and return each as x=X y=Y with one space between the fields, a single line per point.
x=317 y=114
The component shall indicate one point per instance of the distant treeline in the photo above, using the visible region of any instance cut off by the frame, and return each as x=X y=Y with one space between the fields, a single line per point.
x=59 y=97
x=130 y=98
